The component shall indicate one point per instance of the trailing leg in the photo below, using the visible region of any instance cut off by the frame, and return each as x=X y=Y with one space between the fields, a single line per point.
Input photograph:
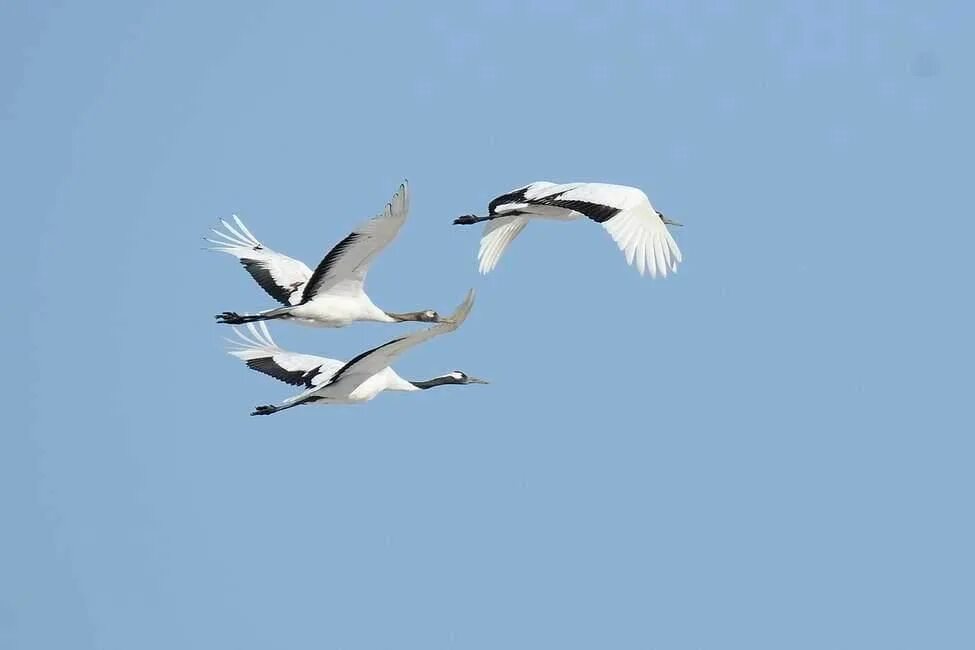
x=233 y=318
x=470 y=219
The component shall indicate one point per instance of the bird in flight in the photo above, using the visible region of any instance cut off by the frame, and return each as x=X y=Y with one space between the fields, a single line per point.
x=332 y=295
x=328 y=381
x=625 y=212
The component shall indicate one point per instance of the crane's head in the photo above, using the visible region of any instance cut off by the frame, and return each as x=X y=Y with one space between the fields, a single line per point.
x=458 y=377
x=429 y=316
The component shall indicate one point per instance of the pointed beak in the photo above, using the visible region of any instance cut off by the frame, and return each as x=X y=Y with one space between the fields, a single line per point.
x=670 y=222
x=475 y=380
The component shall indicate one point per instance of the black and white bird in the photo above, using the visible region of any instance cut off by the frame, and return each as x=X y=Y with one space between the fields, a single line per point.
x=625 y=212
x=332 y=295
x=329 y=381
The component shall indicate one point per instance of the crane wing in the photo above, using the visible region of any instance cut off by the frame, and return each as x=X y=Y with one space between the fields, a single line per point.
x=627 y=215
x=259 y=351
x=282 y=277
x=516 y=200
x=645 y=241
x=343 y=269
x=498 y=233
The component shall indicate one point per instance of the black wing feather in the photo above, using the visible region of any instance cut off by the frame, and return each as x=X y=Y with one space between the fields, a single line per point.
x=326 y=265
x=518 y=196
x=359 y=357
x=269 y=367
x=598 y=212
x=263 y=277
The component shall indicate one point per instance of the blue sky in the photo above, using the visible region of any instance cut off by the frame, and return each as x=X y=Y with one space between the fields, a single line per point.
x=771 y=449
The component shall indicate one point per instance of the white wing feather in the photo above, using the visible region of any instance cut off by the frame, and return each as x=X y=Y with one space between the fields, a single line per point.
x=498 y=233
x=282 y=277
x=645 y=240
x=637 y=228
x=343 y=270
x=257 y=345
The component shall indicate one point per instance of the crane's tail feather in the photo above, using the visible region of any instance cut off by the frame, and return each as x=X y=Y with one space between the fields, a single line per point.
x=256 y=342
x=231 y=239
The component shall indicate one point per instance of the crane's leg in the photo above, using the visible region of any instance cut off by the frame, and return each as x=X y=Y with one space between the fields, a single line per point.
x=233 y=318
x=470 y=219
x=268 y=409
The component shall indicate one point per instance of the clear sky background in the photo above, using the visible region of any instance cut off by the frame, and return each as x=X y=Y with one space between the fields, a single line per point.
x=771 y=449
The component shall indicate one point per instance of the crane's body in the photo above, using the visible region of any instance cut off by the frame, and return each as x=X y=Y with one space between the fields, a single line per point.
x=326 y=310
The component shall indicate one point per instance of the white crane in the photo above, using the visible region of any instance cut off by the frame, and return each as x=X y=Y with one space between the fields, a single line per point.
x=625 y=212
x=328 y=381
x=332 y=295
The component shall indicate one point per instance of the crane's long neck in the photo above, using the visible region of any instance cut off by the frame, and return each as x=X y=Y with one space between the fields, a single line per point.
x=436 y=381
x=403 y=317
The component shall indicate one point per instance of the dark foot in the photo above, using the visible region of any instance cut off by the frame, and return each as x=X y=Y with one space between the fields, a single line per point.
x=466 y=220
x=230 y=318
x=267 y=409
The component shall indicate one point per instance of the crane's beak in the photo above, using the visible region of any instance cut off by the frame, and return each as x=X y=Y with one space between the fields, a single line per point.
x=670 y=222
x=475 y=380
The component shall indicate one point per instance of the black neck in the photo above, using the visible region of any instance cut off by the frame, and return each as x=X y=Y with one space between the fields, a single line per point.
x=436 y=381
x=408 y=316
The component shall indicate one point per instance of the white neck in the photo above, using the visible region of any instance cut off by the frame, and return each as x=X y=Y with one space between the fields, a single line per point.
x=395 y=382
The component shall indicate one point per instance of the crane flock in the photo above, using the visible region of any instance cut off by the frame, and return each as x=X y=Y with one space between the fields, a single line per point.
x=333 y=295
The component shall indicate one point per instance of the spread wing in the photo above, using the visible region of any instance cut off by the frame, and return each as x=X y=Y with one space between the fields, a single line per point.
x=258 y=350
x=498 y=233
x=343 y=270
x=636 y=227
x=282 y=277
x=645 y=241
x=516 y=200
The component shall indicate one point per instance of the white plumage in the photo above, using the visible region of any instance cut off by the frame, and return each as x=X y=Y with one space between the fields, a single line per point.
x=329 y=381
x=332 y=295
x=625 y=212
x=258 y=350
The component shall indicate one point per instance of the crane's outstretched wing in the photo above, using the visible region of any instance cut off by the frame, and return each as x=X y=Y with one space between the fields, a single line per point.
x=625 y=213
x=629 y=218
x=282 y=277
x=644 y=239
x=343 y=270
x=372 y=361
x=502 y=230
x=261 y=353
x=518 y=199
x=498 y=233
